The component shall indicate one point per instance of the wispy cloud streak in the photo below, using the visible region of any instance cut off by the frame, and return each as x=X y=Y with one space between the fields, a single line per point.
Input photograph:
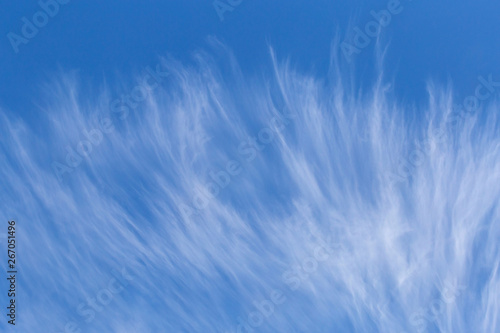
x=391 y=250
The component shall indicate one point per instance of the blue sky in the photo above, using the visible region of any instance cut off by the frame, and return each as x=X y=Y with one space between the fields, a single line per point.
x=439 y=40
x=172 y=171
